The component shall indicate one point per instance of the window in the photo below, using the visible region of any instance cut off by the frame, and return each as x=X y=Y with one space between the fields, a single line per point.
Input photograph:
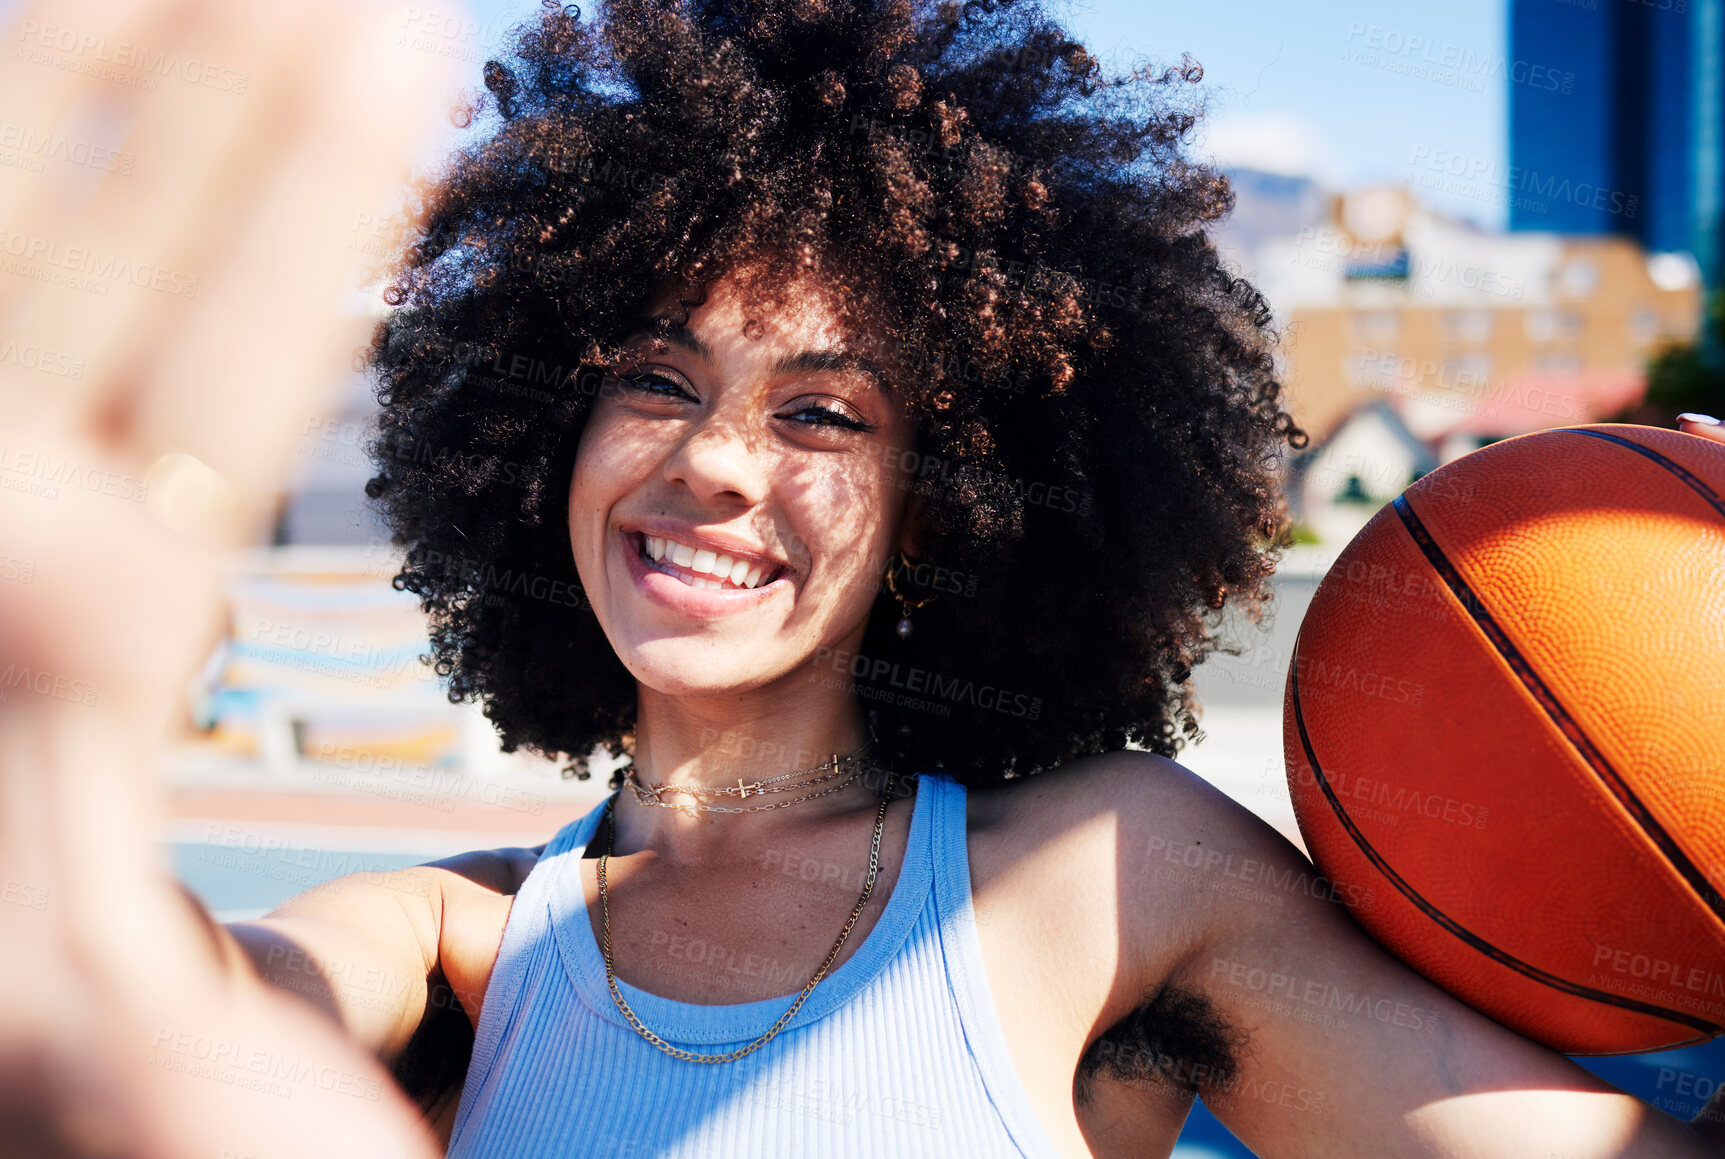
x=1643 y=326
x=1372 y=368
x=1580 y=277
x=1375 y=326
x=1472 y=326
x=1467 y=371
x=1552 y=325
x=1557 y=361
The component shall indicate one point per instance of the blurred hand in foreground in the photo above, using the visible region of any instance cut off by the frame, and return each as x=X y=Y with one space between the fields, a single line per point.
x=176 y=298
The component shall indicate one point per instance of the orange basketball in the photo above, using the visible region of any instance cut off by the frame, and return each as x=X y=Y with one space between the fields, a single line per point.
x=1505 y=727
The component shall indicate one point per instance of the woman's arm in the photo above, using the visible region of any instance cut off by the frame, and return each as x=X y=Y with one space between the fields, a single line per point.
x=1339 y=1048
x=127 y=1032
x=357 y=949
x=399 y=962
x=364 y=949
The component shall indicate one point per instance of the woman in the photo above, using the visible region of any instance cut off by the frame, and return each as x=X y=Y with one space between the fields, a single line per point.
x=885 y=548
x=888 y=402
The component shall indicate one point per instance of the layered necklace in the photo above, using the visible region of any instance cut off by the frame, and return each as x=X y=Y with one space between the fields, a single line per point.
x=652 y=795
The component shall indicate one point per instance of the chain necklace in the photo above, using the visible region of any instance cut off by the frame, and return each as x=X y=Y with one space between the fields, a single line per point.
x=649 y=797
x=743 y=788
x=758 y=788
x=733 y=1055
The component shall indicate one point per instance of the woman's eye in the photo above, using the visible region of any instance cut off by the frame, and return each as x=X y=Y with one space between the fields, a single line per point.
x=826 y=416
x=658 y=385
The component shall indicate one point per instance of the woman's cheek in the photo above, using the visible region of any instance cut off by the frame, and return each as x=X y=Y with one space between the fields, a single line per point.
x=609 y=454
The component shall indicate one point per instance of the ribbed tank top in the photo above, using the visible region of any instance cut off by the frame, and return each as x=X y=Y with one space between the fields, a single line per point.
x=897 y=1053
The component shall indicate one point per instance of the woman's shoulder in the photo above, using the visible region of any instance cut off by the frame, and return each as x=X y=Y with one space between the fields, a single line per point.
x=1134 y=857
x=496 y=871
x=1139 y=830
x=1129 y=784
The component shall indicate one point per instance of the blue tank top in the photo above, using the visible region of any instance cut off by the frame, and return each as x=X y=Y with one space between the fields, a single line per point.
x=897 y=1053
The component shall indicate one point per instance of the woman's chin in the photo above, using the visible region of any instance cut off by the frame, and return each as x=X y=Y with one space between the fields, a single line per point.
x=699 y=675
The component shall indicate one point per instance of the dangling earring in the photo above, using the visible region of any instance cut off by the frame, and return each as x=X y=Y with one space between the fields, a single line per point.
x=905 y=605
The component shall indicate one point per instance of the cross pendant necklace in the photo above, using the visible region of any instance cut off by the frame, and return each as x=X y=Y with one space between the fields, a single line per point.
x=761 y=787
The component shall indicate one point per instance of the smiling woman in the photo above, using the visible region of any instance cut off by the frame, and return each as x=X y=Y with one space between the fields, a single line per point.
x=1071 y=398
x=899 y=326
x=907 y=433
x=880 y=317
x=764 y=460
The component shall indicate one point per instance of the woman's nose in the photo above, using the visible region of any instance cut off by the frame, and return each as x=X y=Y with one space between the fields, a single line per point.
x=718 y=457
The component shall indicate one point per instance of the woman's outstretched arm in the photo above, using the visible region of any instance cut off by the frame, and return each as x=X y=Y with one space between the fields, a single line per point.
x=201 y=293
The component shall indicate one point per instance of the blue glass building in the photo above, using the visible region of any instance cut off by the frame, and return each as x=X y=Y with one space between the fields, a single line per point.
x=1615 y=111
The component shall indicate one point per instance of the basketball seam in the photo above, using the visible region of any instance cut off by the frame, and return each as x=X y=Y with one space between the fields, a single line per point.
x=1467 y=936
x=1689 y=478
x=1558 y=715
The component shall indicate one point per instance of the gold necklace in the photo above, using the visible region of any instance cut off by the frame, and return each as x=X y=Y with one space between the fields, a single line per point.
x=731 y=1056
x=743 y=788
x=649 y=796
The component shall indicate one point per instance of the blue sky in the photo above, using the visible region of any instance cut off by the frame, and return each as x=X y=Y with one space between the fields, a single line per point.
x=1344 y=90
x=1347 y=90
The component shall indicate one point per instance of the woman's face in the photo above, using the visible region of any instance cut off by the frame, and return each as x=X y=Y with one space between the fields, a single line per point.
x=735 y=501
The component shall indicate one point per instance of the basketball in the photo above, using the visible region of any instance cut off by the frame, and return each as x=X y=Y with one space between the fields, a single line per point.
x=1504 y=724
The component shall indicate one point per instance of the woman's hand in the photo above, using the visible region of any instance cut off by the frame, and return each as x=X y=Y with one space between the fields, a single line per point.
x=1706 y=426
x=174 y=304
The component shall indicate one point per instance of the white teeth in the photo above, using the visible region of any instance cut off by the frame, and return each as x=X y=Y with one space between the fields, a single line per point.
x=721 y=571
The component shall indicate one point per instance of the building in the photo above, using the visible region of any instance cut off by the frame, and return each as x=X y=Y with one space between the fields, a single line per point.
x=1615 y=121
x=1471 y=335
x=1368 y=459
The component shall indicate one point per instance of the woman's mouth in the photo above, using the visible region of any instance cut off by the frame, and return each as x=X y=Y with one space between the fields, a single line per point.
x=703 y=567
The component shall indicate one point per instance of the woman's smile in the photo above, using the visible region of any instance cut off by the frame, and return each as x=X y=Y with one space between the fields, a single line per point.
x=738 y=491
x=690 y=574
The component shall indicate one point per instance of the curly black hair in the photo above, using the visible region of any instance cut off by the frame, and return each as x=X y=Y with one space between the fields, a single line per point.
x=1099 y=425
